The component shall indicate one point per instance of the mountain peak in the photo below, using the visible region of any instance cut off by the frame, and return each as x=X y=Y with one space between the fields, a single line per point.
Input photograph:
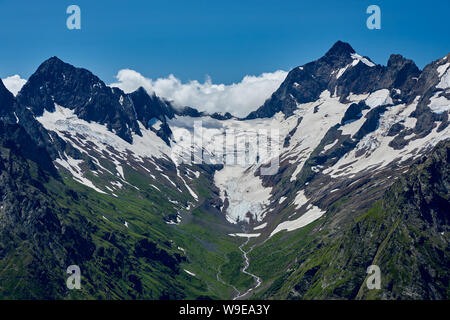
x=53 y=59
x=141 y=90
x=340 y=48
x=398 y=60
x=54 y=64
x=53 y=79
x=78 y=89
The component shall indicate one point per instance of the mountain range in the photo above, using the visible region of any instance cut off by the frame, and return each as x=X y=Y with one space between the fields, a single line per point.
x=91 y=176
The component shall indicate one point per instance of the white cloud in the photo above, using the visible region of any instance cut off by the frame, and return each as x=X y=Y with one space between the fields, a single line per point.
x=14 y=83
x=238 y=98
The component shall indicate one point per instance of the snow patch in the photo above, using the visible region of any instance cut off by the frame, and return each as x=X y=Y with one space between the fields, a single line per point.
x=442 y=68
x=379 y=98
x=300 y=199
x=189 y=272
x=445 y=78
x=261 y=226
x=245 y=235
x=329 y=146
x=357 y=58
x=311 y=215
x=439 y=104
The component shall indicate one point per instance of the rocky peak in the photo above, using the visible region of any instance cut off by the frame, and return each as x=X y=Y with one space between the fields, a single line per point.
x=400 y=70
x=150 y=106
x=340 y=71
x=57 y=82
x=189 y=112
x=340 y=50
x=305 y=83
x=397 y=61
x=222 y=116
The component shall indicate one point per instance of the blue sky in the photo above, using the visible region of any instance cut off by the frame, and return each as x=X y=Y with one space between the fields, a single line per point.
x=223 y=39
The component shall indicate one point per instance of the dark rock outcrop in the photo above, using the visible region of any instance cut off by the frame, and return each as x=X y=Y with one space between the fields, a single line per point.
x=56 y=82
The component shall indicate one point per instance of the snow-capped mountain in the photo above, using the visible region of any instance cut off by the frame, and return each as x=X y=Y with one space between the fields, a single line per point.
x=341 y=130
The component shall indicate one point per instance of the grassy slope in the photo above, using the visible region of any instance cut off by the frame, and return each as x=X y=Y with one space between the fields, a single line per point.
x=114 y=269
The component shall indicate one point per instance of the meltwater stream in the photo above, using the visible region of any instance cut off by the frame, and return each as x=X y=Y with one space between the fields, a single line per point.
x=244 y=270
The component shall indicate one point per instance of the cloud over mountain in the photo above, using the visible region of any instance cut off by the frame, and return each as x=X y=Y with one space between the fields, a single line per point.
x=238 y=98
x=14 y=83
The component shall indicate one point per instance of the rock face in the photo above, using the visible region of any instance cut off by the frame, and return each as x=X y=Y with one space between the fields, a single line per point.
x=354 y=112
x=151 y=109
x=6 y=100
x=11 y=112
x=14 y=137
